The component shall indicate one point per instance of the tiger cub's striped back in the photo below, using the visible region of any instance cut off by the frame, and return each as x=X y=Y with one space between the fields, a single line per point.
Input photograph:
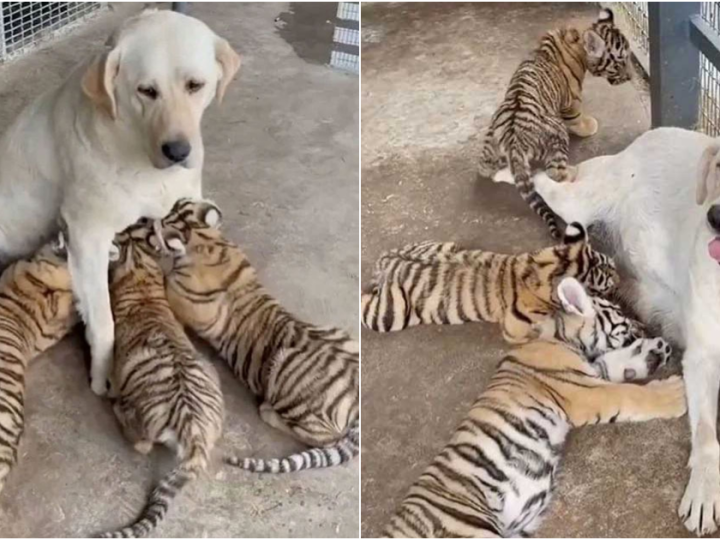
x=36 y=311
x=544 y=101
x=306 y=375
x=496 y=475
x=164 y=391
x=437 y=283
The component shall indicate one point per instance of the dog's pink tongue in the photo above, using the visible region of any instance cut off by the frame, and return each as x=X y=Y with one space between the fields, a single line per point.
x=714 y=248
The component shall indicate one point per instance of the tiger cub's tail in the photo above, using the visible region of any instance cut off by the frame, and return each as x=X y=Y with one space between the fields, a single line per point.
x=520 y=168
x=157 y=506
x=316 y=458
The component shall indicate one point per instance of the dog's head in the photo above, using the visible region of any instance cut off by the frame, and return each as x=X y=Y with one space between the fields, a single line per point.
x=708 y=193
x=159 y=73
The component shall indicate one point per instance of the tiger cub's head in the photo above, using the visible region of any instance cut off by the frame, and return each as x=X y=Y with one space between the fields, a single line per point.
x=593 y=269
x=190 y=234
x=135 y=250
x=608 y=50
x=591 y=324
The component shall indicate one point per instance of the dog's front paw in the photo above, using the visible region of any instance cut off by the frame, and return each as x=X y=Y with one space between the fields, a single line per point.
x=700 y=506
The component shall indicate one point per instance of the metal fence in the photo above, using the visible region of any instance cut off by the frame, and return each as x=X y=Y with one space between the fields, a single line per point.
x=346 y=38
x=25 y=24
x=632 y=18
x=709 y=117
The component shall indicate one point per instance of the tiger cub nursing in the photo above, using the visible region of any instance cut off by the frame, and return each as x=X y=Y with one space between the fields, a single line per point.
x=544 y=101
x=36 y=311
x=437 y=283
x=307 y=376
x=164 y=391
x=496 y=475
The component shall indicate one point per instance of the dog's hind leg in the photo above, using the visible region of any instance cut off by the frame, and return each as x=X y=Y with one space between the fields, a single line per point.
x=700 y=505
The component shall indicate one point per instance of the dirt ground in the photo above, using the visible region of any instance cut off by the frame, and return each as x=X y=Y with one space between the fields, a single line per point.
x=281 y=161
x=432 y=77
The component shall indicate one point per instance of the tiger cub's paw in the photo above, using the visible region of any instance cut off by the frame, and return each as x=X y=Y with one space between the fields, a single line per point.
x=669 y=397
x=584 y=126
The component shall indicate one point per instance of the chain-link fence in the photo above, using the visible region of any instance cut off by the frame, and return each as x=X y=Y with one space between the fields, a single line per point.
x=25 y=24
x=709 y=118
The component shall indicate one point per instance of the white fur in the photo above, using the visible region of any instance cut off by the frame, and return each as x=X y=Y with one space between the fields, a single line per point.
x=646 y=196
x=65 y=155
x=504 y=175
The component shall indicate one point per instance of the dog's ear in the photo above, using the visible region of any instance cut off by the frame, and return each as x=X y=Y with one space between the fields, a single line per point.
x=574 y=299
x=708 y=181
x=98 y=83
x=229 y=63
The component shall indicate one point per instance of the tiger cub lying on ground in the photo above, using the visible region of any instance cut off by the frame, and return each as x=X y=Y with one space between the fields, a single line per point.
x=307 y=376
x=163 y=390
x=36 y=311
x=437 y=283
x=496 y=475
x=544 y=102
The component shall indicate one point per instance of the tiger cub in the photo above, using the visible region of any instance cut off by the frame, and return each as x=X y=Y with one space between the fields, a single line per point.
x=163 y=390
x=36 y=311
x=544 y=102
x=497 y=474
x=307 y=376
x=436 y=283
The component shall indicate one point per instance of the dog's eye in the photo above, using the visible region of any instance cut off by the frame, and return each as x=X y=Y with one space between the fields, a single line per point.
x=148 y=91
x=194 y=86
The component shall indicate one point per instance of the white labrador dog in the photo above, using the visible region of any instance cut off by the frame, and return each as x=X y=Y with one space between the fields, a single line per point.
x=119 y=139
x=660 y=199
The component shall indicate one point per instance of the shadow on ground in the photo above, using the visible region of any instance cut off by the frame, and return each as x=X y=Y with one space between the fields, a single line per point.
x=432 y=77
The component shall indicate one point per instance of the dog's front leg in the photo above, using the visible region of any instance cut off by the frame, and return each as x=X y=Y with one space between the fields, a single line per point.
x=700 y=506
x=88 y=257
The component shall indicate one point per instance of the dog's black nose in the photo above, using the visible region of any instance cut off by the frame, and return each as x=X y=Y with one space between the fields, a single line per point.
x=176 y=151
x=713 y=217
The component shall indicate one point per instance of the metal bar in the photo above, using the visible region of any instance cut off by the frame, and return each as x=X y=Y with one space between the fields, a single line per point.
x=705 y=38
x=181 y=7
x=674 y=65
x=2 y=34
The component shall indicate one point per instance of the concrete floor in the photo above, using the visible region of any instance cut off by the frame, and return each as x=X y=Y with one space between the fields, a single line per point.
x=282 y=161
x=432 y=77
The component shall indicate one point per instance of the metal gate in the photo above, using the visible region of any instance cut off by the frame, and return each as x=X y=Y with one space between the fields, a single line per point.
x=25 y=24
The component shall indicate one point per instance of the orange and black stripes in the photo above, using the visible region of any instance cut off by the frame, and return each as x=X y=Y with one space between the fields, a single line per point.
x=440 y=284
x=544 y=100
x=164 y=391
x=306 y=375
x=36 y=311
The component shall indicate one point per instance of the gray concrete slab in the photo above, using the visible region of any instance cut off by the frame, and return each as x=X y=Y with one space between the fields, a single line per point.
x=282 y=161
x=433 y=75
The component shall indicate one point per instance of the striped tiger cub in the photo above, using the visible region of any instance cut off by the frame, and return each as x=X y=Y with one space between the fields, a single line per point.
x=36 y=311
x=544 y=102
x=437 y=283
x=497 y=474
x=163 y=390
x=307 y=376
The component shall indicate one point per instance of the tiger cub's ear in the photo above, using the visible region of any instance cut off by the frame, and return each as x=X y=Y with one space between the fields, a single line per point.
x=210 y=214
x=594 y=44
x=174 y=243
x=114 y=254
x=59 y=245
x=606 y=16
x=574 y=299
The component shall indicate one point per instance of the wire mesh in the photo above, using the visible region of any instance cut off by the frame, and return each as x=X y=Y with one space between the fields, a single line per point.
x=25 y=24
x=346 y=38
x=709 y=117
x=632 y=19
